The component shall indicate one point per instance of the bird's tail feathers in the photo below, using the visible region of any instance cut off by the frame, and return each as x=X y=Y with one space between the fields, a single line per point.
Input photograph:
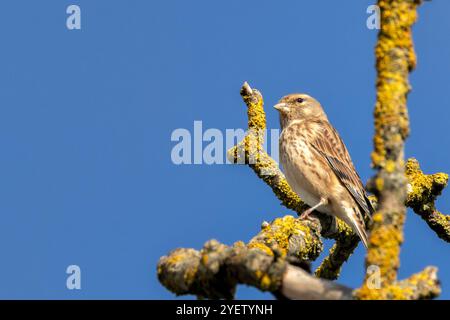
x=361 y=231
x=356 y=222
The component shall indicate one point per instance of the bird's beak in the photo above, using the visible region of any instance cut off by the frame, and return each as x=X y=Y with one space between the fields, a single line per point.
x=282 y=107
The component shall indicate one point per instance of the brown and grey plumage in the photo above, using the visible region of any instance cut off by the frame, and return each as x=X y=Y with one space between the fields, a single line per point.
x=317 y=164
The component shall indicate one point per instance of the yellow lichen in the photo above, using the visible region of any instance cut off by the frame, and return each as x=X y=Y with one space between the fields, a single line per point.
x=379 y=183
x=204 y=259
x=420 y=285
x=256 y=115
x=390 y=166
x=278 y=234
x=384 y=251
x=422 y=185
x=260 y=246
x=265 y=282
x=190 y=274
x=173 y=259
x=377 y=217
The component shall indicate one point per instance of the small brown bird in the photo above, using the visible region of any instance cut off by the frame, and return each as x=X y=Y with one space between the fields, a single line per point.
x=317 y=164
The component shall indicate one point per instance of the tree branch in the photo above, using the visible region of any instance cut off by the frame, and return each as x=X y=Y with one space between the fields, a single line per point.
x=395 y=59
x=299 y=285
x=271 y=261
x=215 y=271
x=423 y=191
x=420 y=286
x=343 y=248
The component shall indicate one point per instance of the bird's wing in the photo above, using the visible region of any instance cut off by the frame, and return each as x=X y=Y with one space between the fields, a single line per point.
x=329 y=144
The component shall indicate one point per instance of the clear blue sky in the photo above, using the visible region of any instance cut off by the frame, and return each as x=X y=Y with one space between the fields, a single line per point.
x=86 y=116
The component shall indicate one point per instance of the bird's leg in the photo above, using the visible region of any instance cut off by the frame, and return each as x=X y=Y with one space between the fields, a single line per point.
x=305 y=214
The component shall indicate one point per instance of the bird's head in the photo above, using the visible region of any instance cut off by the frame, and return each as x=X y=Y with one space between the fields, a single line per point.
x=299 y=106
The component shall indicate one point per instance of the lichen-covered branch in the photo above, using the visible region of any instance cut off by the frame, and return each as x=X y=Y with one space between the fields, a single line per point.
x=271 y=262
x=423 y=190
x=298 y=284
x=285 y=244
x=420 y=286
x=331 y=266
x=298 y=240
x=395 y=58
x=215 y=271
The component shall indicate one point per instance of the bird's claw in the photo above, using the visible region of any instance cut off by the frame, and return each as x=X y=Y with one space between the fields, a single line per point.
x=305 y=214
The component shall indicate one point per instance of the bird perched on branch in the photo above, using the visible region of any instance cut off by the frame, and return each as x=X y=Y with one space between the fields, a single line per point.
x=317 y=164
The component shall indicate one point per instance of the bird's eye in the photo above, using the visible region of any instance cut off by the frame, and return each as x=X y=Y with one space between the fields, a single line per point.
x=300 y=100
